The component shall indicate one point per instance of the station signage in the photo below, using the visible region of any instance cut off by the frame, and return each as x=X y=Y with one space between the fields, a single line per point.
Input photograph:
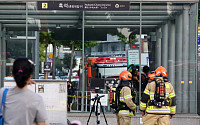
x=133 y=57
x=84 y=5
x=47 y=66
x=198 y=71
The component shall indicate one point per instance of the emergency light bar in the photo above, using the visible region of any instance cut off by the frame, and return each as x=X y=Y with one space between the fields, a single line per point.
x=111 y=65
x=111 y=59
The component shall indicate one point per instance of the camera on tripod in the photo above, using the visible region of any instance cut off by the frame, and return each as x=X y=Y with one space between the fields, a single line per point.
x=97 y=84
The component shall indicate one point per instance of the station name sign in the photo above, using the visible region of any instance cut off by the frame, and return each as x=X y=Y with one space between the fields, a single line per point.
x=84 y=5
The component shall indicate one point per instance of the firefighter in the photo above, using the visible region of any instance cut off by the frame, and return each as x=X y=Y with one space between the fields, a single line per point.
x=151 y=76
x=126 y=105
x=154 y=111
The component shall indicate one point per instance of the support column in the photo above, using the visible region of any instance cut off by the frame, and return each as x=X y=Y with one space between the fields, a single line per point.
x=178 y=67
x=37 y=55
x=164 y=46
x=185 y=52
x=158 y=48
x=1 y=71
x=193 y=19
x=152 y=45
x=171 y=55
x=3 y=57
x=83 y=73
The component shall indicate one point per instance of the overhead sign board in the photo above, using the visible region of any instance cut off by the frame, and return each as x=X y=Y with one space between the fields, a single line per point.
x=83 y=5
x=133 y=57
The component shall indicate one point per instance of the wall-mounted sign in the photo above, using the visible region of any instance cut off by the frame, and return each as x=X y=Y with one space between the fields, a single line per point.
x=83 y=5
x=198 y=72
x=50 y=56
x=133 y=57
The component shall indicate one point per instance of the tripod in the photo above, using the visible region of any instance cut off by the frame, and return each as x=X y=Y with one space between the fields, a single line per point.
x=98 y=106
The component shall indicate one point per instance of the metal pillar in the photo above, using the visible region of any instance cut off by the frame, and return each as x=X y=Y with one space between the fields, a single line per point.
x=158 y=48
x=140 y=49
x=192 y=59
x=37 y=55
x=1 y=71
x=178 y=67
x=3 y=57
x=152 y=44
x=164 y=45
x=26 y=29
x=171 y=55
x=83 y=72
x=185 y=52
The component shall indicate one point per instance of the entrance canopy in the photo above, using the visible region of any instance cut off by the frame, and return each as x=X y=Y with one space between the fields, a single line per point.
x=13 y=16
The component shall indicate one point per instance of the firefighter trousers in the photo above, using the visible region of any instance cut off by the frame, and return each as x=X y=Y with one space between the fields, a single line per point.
x=123 y=119
x=152 y=119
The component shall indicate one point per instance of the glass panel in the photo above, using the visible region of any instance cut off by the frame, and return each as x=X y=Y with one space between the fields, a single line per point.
x=12 y=21
x=107 y=60
x=54 y=31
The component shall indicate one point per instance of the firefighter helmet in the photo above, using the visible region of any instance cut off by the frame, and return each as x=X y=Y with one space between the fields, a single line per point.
x=161 y=71
x=152 y=75
x=125 y=75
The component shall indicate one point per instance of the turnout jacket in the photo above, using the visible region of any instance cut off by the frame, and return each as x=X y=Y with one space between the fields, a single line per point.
x=149 y=95
x=126 y=97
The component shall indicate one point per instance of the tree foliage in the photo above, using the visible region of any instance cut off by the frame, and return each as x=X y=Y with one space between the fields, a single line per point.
x=199 y=12
x=47 y=37
x=67 y=61
x=59 y=64
x=41 y=52
x=132 y=38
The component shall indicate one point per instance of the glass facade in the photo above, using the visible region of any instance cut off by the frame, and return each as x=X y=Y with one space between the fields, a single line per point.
x=164 y=32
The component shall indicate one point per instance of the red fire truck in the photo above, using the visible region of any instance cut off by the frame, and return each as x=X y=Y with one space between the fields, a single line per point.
x=107 y=68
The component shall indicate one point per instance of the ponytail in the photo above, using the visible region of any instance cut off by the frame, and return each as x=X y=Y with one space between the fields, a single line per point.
x=22 y=70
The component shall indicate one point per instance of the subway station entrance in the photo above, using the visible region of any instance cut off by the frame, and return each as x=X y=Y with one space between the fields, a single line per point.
x=165 y=33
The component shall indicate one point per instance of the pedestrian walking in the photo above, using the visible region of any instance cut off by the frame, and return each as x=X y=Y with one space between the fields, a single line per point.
x=23 y=106
x=70 y=95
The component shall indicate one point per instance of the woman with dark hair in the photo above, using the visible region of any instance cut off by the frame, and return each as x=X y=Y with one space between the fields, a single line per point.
x=23 y=106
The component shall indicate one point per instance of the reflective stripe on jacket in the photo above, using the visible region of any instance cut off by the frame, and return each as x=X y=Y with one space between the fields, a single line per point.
x=149 y=95
x=126 y=97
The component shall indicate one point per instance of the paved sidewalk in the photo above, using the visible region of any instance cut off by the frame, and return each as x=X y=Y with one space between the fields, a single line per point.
x=179 y=119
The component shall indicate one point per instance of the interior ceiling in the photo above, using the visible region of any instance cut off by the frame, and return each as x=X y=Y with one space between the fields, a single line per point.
x=13 y=17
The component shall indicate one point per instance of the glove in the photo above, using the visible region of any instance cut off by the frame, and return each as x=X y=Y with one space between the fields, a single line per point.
x=171 y=116
x=143 y=113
